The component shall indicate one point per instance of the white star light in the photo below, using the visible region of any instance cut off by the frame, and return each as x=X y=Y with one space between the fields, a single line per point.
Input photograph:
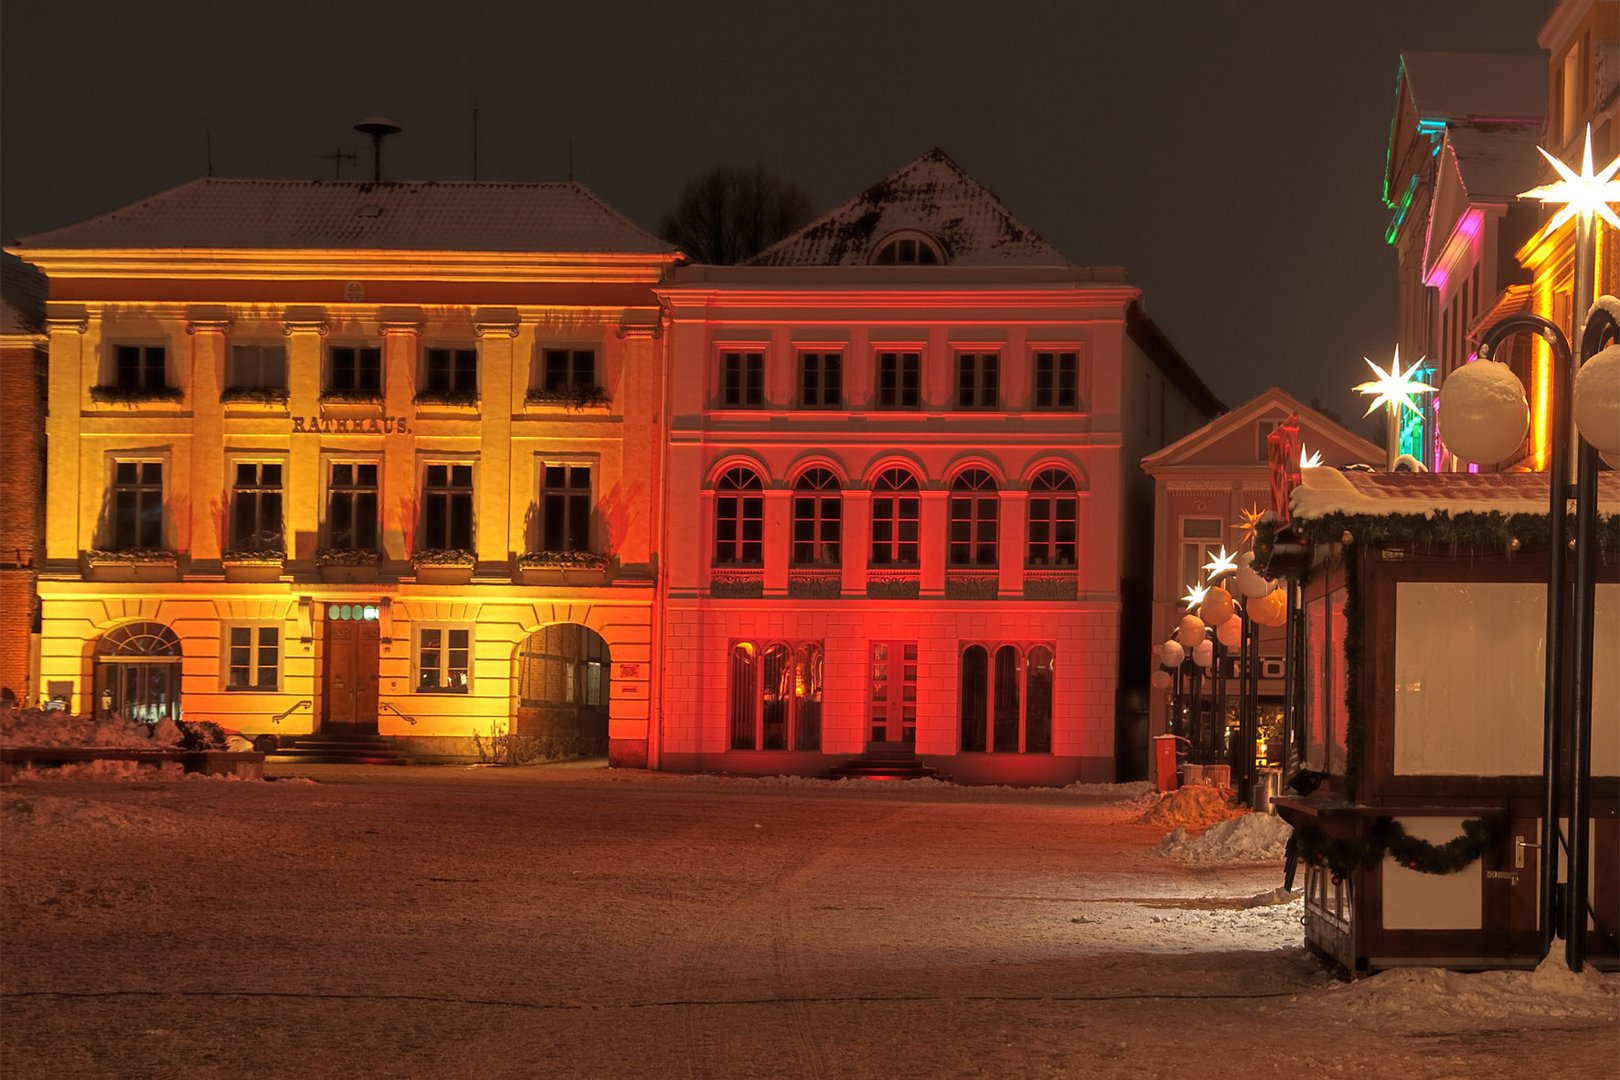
x=1195 y=596
x=1219 y=565
x=1584 y=194
x=1393 y=387
x=1309 y=461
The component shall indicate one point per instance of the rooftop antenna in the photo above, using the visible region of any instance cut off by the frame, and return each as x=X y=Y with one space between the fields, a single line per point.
x=378 y=128
x=337 y=158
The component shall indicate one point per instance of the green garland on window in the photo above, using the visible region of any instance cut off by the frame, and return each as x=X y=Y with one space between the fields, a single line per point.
x=1342 y=855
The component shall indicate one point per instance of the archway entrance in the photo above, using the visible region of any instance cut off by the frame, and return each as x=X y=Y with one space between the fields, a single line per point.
x=137 y=673
x=561 y=674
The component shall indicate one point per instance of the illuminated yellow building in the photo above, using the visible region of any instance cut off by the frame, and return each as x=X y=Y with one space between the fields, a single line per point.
x=359 y=459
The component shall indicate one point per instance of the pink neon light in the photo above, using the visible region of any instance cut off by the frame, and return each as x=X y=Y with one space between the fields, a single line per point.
x=1471 y=223
x=1438 y=278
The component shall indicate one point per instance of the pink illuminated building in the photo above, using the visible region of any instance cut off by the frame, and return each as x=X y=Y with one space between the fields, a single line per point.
x=904 y=513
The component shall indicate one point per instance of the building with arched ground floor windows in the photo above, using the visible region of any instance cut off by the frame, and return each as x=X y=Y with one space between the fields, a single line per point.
x=906 y=520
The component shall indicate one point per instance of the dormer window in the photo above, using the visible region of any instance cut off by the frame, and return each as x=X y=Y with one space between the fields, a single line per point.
x=907 y=249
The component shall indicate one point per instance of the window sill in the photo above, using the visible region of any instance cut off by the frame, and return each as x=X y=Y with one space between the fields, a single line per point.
x=972 y=583
x=893 y=583
x=158 y=399
x=132 y=566
x=434 y=406
x=356 y=405
x=253 y=566
x=815 y=582
x=738 y=582
x=582 y=399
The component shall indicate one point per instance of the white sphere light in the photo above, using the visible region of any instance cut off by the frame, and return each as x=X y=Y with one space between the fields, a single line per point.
x=1204 y=653
x=1248 y=581
x=1484 y=414
x=1161 y=680
x=1171 y=654
x=1597 y=402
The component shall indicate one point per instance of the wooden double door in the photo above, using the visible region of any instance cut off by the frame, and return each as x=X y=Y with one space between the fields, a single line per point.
x=349 y=676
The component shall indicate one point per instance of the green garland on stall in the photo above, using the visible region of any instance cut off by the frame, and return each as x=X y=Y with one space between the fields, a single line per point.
x=1343 y=855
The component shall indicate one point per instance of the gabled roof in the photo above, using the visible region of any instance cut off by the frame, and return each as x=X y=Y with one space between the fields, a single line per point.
x=1476 y=86
x=1341 y=445
x=22 y=297
x=1497 y=161
x=228 y=215
x=932 y=195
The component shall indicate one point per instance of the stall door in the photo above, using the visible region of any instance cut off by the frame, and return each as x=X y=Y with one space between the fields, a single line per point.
x=892 y=686
x=349 y=686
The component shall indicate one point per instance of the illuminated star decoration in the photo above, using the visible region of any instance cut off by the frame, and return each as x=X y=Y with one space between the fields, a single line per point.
x=1195 y=596
x=1309 y=460
x=1394 y=387
x=1584 y=194
x=1248 y=526
x=1219 y=565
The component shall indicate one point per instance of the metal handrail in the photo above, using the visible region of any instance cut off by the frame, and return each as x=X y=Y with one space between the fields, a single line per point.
x=391 y=707
x=280 y=716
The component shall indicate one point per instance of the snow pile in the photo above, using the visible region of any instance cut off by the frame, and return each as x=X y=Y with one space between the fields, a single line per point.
x=1246 y=838
x=1134 y=790
x=1550 y=990
x=104 y=769
x=36 y=727
x=1193 y=807
x=51 y=811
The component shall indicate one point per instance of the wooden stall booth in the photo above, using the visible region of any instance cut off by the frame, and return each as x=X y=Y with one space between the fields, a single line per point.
x=1421 y=650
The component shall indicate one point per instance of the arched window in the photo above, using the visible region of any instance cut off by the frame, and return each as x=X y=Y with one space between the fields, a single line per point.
x=739 y=519
x=1052 y=505
x=973 y=519
x=1006 y=699
x=909 y=249
x=817 y=519
x=894 y=519
x=137 y=673
x=1038 y=701
x=975 y=695
x=775 y=698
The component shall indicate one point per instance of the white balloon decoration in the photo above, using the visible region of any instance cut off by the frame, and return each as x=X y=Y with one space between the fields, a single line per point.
x=1204 y=653
x=1597 y=402
x=1171 y=654
x=1160 y=680
x=1484 y=414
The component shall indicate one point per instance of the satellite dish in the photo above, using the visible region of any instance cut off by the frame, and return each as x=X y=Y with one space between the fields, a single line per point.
x=379 y=128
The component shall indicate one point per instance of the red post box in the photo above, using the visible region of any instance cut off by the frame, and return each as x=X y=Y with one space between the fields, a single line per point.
x=1164 y=762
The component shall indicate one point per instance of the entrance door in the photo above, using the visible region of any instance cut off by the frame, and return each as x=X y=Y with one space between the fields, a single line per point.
x=349 y=686
x=892 y=689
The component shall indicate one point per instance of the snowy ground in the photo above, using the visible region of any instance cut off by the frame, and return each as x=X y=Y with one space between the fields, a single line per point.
x=570 y=921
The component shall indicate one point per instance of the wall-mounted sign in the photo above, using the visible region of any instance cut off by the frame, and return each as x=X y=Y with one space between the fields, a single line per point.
x=629 y=671
x=331 y=425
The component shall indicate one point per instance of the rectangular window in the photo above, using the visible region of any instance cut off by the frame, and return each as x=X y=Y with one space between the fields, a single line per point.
x=451 y=372
x=977 y=380
x=256 y=507
x=563 y=370
x=1057 y=380
x=354 y=371
x=565 y=508
x=821 y=380
x=447 y=520
x=137 y=505
x=252 y=657
x=351 y=506
x=742 y=380
x=1200 y=537
x=140 y=367
x=257 y=367
x=899 y=380
x=442 y=659
x=1262 y=439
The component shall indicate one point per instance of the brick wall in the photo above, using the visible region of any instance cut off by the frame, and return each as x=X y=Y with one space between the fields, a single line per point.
x=22 y=503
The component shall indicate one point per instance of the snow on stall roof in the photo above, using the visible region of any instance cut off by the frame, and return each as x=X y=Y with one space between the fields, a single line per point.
x=1322 y=492
x=226 y=214
x=933 y=195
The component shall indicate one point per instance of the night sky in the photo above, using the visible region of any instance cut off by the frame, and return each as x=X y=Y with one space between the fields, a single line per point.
x=1228 y=154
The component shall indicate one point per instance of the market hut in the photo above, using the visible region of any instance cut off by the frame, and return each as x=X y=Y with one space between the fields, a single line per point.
x=1421 y=651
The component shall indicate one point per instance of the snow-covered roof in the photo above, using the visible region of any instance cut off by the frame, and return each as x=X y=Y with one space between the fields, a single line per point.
x=933 y=196
x=1462 y=86
x=1325 y=492
x=22 y=297
x=1497 y=161
x=222 y=214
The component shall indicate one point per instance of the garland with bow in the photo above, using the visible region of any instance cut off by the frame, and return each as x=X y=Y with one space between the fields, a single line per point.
x=1342 y=855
